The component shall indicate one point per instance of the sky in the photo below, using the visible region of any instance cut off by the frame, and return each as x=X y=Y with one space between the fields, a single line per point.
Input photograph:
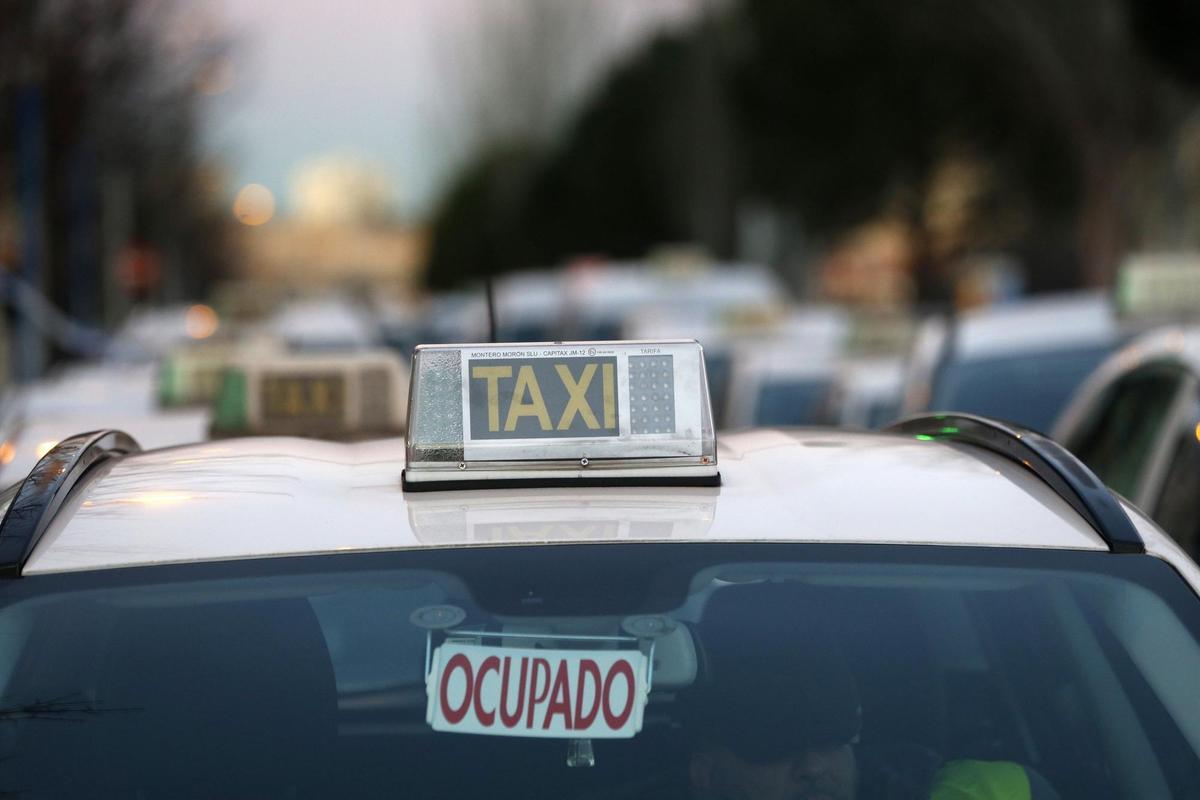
x=385 y=83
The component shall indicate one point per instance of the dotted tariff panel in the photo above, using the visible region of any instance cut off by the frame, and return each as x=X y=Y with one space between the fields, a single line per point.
x=652 y=394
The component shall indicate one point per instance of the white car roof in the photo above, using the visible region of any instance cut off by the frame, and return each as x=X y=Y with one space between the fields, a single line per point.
x=90 y=388
x=1040 y=323
x=623 y=288
x=261 y=497
x=322 y=323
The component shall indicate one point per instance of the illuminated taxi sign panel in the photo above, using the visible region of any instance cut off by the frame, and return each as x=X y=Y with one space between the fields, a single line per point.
x=577 y=409
x=290 y=397
x=343 y=396
x=1159 y=285
x=192 y=375
x=523 y=398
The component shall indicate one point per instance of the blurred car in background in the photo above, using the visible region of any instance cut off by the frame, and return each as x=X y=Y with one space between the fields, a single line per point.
x=401 y=323
x=1017 y=362
x=26 y=443
x=602 y=298
x=787 y=378
x=921 y=363
x=326 y=324
x=90 y=397
x=149 y=333
x=773 y=388
x=437 y=318
x=530 y=306
x=766 y=365
x=190 y=375
x=866 y=391
x=1136 y=423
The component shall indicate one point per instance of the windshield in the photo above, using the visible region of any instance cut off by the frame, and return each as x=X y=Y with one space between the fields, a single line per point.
x=803 y=670
x=1029 y=389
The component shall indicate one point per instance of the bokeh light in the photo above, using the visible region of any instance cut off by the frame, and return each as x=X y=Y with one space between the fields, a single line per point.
x=201 y=321
x=254 y=205
x=44 y=447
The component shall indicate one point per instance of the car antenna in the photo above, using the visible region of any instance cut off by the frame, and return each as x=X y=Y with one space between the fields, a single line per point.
x=489 y=290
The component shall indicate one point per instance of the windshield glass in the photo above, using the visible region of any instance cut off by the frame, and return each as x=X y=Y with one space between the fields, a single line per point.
x=1029 y=389
x=767 y=671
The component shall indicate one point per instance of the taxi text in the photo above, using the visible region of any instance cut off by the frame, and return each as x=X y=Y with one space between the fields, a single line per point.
x=543 y=397
x=509 y=692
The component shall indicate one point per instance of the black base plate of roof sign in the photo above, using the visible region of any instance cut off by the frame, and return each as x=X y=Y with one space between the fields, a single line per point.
x=469 y=484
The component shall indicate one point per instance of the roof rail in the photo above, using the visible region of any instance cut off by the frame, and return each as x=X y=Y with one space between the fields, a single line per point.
x=1054 y=464
x=42 y=493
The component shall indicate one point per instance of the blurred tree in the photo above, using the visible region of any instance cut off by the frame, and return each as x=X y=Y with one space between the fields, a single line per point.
x=117 y=163
x=520 y=66
x=986 y=125
x=477 y=232
x=846 y=105
x=1167 y=30
x=631 y=172
x=616 y=184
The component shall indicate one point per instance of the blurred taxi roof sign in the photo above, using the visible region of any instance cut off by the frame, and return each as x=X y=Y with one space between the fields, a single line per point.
x=560 y=414
x=190 y=374
x=344 y=396
x=1165 y=285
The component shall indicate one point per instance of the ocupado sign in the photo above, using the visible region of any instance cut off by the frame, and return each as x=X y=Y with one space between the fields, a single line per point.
x=562 y=694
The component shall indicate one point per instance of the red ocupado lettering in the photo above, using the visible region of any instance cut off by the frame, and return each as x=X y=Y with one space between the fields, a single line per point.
x=536 y=693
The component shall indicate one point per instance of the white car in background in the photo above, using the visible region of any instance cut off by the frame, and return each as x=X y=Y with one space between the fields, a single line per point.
x=1018 y=362
x=326 y=325
x=1136 y=423
x=86 y=397
x=867 y=391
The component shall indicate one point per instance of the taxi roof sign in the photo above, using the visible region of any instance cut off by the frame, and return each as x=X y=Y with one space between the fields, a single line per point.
x=559 y=413
x=352 y=395
x=1159 y=285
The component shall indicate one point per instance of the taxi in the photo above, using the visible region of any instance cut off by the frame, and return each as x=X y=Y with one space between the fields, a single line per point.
x=561 y=585
x=1136 y=423
x=36 y=416
x=1017 y=361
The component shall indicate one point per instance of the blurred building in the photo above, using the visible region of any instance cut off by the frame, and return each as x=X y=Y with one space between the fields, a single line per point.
x=870 y=268
x=302 y=254
x=341 y=229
